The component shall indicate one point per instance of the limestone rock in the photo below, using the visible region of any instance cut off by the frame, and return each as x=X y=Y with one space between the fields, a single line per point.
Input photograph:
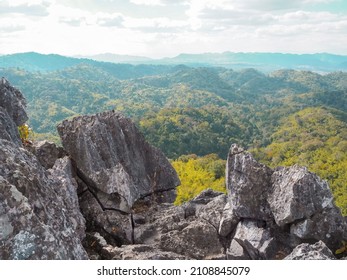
x=12 y=100
x=113 y=157
x=39 y=214
x=47 y=153
x=297 y=194
x=12 y=112
x=63 y=178
x=255 y=239
x=199 y=240
x=138 y=252
x=317 y=251
x=248 y=183
x=34 y=215
x=327 y=226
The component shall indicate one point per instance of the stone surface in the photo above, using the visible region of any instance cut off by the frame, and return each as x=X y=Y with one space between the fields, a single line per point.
x=39 y=214
x=317 y=251
x=296 y=194
x=327 y=226
x=248 y=183
x=47 y=153
x=138 y=252
x=63 y=179
x=12 y=100
x=12 y=112
x=34 y=213
x=112 y=156
x=255 y=239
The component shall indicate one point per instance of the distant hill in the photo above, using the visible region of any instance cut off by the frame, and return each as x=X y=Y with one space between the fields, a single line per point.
x=267 y=62
x=137 y=66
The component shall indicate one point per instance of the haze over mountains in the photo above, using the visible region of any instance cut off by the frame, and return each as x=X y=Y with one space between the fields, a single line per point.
x=267 y=62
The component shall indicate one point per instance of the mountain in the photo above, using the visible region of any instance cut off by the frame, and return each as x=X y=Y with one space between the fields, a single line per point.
x=265 y=62
x=117 y=58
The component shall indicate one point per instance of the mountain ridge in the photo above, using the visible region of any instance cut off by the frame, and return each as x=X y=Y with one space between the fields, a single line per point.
x=266 y=62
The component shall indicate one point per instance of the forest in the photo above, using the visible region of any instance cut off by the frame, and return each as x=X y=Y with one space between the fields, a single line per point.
x=194 y=114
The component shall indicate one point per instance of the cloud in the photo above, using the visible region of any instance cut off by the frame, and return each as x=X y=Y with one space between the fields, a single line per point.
x=156 y=25
x=147 y=2
x=11 y=28
x=111 y=21
x=39 y=10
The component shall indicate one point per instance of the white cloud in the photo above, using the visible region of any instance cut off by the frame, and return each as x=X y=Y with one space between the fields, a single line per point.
x=147 y=2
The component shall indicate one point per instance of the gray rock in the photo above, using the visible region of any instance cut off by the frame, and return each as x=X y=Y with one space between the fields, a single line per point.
x=112 y=156
x=114 y=225
x=317 y=251
x=65 y=185
x=138 y=252
x=34 y=212
x=229 y=221
x=12 y=112
x=255 y=239
x=199 y=240
x=297 y=194
x=8 y=128
x=12 y=100
x=236 y=252
x=47 y=153
x=327 y=226
x=248 y=183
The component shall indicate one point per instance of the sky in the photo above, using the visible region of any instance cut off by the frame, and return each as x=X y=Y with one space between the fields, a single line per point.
x=166 y=28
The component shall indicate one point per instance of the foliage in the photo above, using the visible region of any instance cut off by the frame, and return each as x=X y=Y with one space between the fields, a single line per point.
x=23 y=132
x=343 y=249
x=315 y=138
x=197 y=174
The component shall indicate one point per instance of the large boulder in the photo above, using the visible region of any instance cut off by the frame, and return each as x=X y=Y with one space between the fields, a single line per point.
x=39 y=213
x=248 y=183
x=35 y=210
x=303 y=201
x=112 y=156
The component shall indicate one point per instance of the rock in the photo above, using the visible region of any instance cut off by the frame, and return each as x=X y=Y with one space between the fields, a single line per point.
x=229 y=220
x=12 y=100
x=199 y=240
x=112 y=156
x=255 y=239
x=208 y=206
x=327 y=226
x=317 y=251
x=114 y=225
x=186 y=230
x=248 y=183
x=65 y=185
x=47 y=153
x=297 y=194
x=39 y=214
x=236 y=252
x=12 y=112
x=8 y=128
x=34 y=213
x=138 y=252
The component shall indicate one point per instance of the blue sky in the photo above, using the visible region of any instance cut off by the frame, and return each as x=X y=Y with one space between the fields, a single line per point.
x=165 y=28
